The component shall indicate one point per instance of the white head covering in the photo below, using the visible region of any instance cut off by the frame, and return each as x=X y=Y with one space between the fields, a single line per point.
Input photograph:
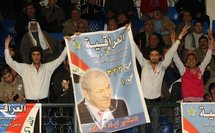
x=42 y=39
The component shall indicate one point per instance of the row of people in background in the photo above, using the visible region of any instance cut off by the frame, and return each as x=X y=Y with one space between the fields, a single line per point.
x=52 y=16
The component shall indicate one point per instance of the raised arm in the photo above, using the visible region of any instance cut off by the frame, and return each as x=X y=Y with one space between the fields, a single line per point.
x=55 y=63
x=139 y=55
x=18 y=67
x=179 y=64
x=208 y=56
x=170 y=53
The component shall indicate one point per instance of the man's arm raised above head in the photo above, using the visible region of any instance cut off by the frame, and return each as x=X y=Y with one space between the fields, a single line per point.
x=7 y=42
x=169 y=55
x=18 y=67
x=179 y=64
x=55 y=63
x=209 y=53
x=139 y=55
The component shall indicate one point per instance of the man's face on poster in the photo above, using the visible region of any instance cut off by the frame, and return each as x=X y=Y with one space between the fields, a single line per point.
x=99 y=92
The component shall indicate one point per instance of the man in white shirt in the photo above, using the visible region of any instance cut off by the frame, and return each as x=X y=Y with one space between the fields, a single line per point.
x=153 y=69
x=36 y=76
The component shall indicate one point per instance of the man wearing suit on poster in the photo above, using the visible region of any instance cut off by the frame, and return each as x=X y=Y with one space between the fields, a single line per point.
x=97 y=104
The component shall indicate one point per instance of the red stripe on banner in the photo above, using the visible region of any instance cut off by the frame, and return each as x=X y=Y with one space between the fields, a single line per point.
x=20 y=119
x=189 y=126
x=78 y=62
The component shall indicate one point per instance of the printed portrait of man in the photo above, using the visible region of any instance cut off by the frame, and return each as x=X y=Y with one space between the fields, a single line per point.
x=98 y=104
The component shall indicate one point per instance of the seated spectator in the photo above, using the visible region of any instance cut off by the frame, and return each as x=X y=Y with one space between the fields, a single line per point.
x=114 y=7
x=122 y=20
x=142 y=38
x=92 y=9
x=193 y=6
x=12 y=85
x=147 y=7
x=67 y=6
x=186 y=19
x=112 y=24
x=53 y=17
x=70 y=26
x=2 y=97
x=21 y=26
x=36 y=37
x=211 y=91
x=82 y=27
x=182 y=51
x=154 y=42
x=203 y=17
x=191 y=40
x=163 y=25
x=44 y=3
x=207 y=98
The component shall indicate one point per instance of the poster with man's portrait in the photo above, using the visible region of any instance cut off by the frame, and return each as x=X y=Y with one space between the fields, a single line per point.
x=108 y=94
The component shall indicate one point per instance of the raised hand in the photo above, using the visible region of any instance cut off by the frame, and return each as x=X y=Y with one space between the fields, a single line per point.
x=184 y=31
x=210 y=35
x=7 y=41
x=65 y=84
x=212 y=43
x=173 y=36
x=20 y=99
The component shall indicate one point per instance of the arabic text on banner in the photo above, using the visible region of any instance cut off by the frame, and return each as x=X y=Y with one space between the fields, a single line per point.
x=111 y=52
x=198 y=117
x=20 y=118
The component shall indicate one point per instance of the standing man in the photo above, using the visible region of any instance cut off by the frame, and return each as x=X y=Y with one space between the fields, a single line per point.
x=36 y=76
x=192 y=84
x=153 y=71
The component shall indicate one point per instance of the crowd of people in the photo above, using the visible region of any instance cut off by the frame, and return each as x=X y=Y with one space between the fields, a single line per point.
x=176 y=59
